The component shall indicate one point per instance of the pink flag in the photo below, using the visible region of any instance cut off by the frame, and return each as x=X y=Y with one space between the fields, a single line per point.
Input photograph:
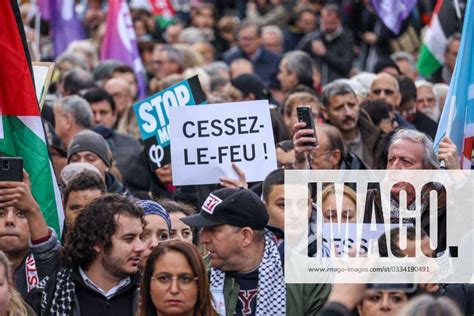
x=120 y=41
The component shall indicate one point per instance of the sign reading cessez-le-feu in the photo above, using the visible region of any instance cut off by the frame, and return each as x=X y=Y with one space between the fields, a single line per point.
x=153 y=117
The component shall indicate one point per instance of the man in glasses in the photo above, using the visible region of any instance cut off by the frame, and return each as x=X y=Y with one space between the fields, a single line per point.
x=330 y=153
x=385 y=87
x=249 y=46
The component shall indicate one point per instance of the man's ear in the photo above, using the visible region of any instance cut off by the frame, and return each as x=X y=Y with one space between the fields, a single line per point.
x=398 y=101
x=97 y=249
x=247 y=236
x=335 y=157
x=325 y=113
x=68 y=119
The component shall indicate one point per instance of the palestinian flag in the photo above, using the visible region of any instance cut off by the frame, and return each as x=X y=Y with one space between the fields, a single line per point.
x=21 y=129
x=444 y=23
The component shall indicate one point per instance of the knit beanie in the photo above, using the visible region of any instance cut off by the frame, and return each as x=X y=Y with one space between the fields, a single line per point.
x=89 y=141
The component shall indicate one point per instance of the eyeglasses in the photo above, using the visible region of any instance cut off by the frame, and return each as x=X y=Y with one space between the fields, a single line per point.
x=161 y=62
x=314 y=157
x=385 y=91
x=285 y=165
x=247 y=38
x=164 y=280
x=390 y=120
x=425 y=100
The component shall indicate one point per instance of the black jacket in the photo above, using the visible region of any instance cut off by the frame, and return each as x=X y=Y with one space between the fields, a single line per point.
x=337 y=62
x=47 y=259
x=124 y=148
x=265 y=66
x=424 y=124
x=62 y=289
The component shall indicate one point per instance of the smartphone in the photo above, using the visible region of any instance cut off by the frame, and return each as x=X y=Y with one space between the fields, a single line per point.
x=11 y=169
x=305 y=115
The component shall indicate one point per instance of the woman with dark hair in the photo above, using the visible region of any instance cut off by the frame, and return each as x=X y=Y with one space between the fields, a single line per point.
x=175 y=282
x=176 y=211
x=381 y=114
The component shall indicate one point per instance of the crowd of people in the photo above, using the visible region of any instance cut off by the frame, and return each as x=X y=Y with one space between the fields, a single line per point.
x=135 y=244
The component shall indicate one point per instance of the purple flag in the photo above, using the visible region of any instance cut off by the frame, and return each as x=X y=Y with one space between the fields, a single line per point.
x=45 y=9
x=393 y=12
x=120 y=41
x=65 y=25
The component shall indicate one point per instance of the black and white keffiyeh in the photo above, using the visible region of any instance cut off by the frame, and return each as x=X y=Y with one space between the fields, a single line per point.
x=271 y=297
x=62 y=296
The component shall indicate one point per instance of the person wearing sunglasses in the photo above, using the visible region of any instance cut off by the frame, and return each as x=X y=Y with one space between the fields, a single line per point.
x=175 y=282
x=385 y=87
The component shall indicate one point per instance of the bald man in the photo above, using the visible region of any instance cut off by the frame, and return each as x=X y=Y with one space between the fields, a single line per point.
x=119 y=88
x=385 y=87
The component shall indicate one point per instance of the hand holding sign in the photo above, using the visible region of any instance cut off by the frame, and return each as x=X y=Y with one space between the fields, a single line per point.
x=233 y=183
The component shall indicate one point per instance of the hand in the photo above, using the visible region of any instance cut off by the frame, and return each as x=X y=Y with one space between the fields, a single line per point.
x=349 y=295
x=318 y=48
x=302 y=135
x=232 y=183
x=369 y=38
x=18 y=195
x=448 y=153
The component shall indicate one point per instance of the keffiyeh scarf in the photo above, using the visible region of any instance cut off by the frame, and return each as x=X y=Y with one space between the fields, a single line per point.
x=59 y=301
x=271 y=297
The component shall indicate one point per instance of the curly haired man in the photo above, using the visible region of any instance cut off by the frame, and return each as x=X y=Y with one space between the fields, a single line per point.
x=101 y=257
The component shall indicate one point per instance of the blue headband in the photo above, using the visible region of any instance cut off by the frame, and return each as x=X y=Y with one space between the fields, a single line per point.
x=153 y=208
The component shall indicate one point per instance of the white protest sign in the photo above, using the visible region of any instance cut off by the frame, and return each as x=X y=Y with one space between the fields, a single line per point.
x=207 y=139
x=340 y=236
x=42 y=73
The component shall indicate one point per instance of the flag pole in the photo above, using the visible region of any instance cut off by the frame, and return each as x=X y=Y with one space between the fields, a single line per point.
x=449 y=126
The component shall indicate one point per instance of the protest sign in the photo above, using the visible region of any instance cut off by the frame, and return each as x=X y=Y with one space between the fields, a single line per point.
x=340 y=237
x=152 y=116
x=206 y=140
x=42 y=73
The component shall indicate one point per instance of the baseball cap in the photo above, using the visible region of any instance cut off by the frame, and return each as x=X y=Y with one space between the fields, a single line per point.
x=250 y=83
x=235 y=207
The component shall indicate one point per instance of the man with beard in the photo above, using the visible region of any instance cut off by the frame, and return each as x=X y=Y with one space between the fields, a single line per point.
x=341 y=109
x=413 y=150
x=32 y=248
x=246 y=272
x=101 y=257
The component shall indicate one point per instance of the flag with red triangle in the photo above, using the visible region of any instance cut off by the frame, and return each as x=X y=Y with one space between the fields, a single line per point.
x=21 y=129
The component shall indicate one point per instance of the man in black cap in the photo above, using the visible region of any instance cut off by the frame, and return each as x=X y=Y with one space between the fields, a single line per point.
x=246 y=268
x=251 y=86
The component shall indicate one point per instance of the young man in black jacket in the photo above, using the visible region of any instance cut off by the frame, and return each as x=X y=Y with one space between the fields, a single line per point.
x=101 y=257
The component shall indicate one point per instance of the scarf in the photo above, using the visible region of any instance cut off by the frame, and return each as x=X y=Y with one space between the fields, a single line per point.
x=61 y=297
x=271 y=296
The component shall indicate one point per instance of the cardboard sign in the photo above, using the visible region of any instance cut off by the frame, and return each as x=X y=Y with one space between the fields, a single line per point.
x=153 y=117
x=206 y=140
x=42 y=73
